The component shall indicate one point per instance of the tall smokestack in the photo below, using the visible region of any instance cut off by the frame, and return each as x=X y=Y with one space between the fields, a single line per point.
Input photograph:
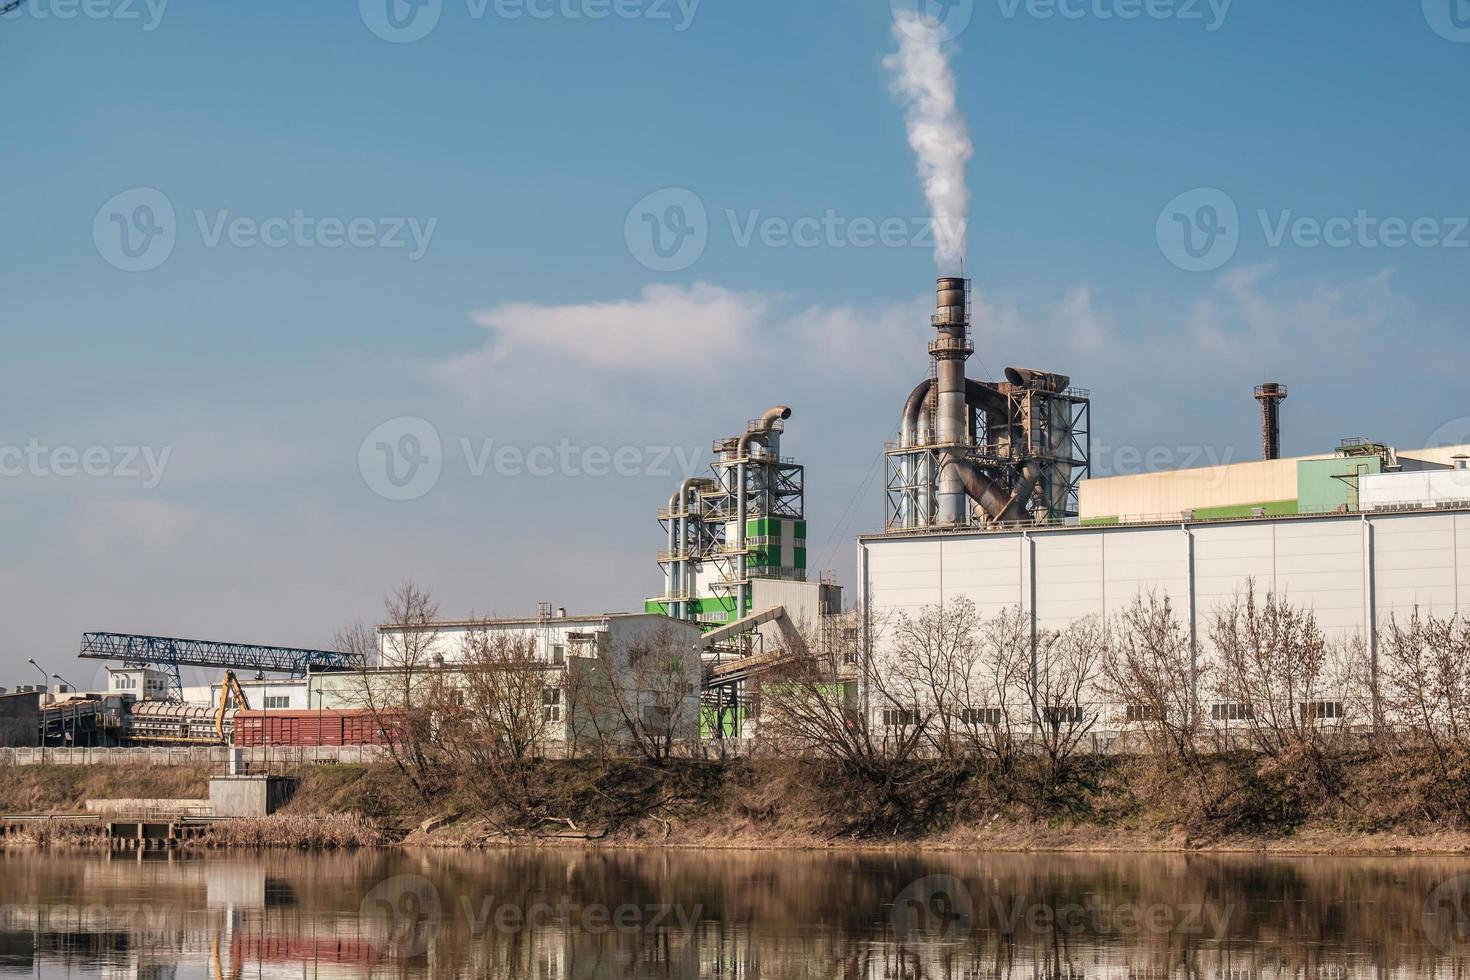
x=1271 y=395
x=950 y=350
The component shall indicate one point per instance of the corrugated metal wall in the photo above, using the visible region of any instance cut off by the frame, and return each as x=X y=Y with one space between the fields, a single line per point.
x=1352 y=570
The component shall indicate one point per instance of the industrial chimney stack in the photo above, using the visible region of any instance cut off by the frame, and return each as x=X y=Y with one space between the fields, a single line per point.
x=950 y=349
x=1271 y=395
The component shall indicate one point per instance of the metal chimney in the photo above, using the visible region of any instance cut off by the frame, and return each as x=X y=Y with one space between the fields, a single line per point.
x=1271 y=395
x=950 y=350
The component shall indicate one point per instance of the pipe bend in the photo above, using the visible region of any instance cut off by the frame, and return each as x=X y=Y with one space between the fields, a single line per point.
x=765 y=425
x=983 y=489
x=912 y=407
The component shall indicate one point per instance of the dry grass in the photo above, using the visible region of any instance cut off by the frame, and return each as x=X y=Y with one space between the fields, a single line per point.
x=60 y=836
x=338 y=831
x=64 y=789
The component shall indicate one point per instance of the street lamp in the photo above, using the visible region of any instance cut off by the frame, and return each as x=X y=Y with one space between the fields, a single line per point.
x=62 y=680
x=45 y=685
x=41 y=728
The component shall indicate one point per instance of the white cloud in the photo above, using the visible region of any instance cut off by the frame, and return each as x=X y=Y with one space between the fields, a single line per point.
x=665 y=326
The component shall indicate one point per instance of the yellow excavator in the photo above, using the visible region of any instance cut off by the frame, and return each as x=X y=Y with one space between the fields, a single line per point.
x=229 y=689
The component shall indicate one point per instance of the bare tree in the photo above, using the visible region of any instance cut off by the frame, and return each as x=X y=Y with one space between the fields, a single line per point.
x=995 y=723
x=808 y=710
x=930 y=670
x=1425 y=695
x=1151 y=674
x=1283 y=680
x=396 y=681
x=1065 y=667
x=496 y=722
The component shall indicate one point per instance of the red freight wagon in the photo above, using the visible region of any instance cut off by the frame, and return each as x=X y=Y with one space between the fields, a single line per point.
x=329 y=727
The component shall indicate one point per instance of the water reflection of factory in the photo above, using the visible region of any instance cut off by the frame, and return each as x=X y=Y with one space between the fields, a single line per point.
x=746 y=918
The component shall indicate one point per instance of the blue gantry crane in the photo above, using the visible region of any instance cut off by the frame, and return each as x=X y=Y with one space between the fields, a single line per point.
x=170 y=653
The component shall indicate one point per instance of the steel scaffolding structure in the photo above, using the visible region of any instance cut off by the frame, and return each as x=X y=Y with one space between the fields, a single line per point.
x=977 y=453
x=171 y=653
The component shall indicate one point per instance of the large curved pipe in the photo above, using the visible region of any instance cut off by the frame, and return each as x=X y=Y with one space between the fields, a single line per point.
x=763 y=430
x=980 y=487
x=978 y=395
x=918 y=398
x=986 y=396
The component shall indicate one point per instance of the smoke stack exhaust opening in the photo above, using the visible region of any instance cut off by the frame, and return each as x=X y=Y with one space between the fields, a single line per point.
x=1271 y=395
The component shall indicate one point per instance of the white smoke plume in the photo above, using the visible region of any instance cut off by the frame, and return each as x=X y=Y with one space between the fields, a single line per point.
x=925 y=85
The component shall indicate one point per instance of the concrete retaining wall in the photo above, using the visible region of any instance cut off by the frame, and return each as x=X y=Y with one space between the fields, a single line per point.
x=254 y=759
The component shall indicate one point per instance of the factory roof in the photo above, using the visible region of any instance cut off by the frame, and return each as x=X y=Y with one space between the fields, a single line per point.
x=453 y=624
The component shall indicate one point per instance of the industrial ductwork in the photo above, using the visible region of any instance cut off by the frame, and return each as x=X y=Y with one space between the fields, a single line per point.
x=972 y=450
x=1039 y=380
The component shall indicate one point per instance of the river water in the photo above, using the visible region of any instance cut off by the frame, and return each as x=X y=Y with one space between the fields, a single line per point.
x=551 y=915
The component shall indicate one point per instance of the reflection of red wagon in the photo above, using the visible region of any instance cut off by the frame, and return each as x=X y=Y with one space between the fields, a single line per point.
x=331 y=727
x=247 y=949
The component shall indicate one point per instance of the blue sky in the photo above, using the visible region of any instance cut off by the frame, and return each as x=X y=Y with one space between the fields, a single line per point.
x=517 y=145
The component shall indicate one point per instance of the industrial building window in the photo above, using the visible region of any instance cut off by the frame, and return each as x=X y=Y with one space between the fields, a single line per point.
x=900 y=717
x=1142 y=712
x=277 y=702
x=559 y=654
x=551 y=702
x=980 y=716
x=1322 y=711
x=1062 y=714
x=1232 y=711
